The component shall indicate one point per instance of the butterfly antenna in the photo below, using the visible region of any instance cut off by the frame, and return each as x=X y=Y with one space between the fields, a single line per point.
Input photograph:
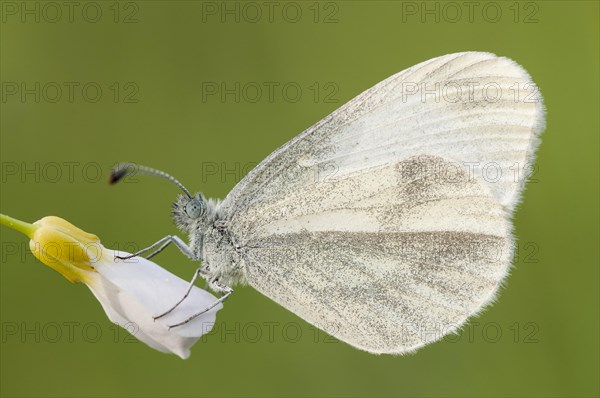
x=124 y=169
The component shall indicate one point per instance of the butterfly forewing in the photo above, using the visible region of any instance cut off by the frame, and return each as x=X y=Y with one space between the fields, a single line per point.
x=382 y=224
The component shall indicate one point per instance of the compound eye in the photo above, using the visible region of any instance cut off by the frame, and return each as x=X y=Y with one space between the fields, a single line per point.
x=194 y=208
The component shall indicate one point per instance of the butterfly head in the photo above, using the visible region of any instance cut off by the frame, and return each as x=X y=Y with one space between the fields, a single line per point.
x=188 y=211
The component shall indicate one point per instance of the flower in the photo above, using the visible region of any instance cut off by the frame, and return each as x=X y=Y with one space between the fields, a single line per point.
x=131 y=291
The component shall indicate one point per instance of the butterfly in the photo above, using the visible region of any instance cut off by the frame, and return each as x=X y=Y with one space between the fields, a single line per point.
x=388 y=223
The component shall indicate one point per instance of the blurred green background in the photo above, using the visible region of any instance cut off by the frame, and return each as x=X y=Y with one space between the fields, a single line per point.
x=135 y=80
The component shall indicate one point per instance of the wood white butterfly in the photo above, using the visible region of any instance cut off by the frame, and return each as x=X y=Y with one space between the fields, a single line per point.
x=388 y=223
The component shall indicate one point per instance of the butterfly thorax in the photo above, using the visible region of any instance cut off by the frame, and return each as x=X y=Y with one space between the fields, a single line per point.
x=210 y=240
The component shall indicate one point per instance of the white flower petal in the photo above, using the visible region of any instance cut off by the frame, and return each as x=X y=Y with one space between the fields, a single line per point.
x=136 y=290
x=105 y=292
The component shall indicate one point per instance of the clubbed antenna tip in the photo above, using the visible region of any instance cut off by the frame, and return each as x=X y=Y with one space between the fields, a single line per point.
x=118 y=172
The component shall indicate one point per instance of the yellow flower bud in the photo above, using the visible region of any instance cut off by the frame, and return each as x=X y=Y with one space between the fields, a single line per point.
x=65 y=248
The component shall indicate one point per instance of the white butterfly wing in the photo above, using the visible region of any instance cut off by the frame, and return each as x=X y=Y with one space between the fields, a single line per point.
x=376 y=224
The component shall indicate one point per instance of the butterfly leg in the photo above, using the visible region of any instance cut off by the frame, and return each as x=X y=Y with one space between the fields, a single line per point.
x=163 y=243
x=187 y=293
x=226 y=290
